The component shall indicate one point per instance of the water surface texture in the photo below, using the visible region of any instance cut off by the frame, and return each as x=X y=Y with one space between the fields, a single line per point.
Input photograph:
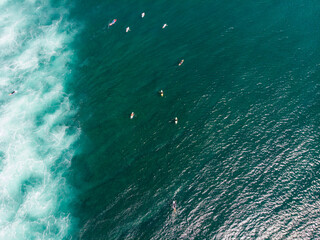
x=36 y=134
x=243 y=160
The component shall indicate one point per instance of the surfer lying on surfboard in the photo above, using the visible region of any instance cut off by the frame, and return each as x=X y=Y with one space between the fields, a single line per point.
x=13 y=92
x=174 y=206
x=113 y=22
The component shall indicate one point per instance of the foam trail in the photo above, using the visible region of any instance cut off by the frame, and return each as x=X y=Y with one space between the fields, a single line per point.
x=35 y=142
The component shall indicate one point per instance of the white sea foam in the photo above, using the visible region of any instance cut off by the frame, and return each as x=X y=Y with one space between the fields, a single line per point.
x=34 y=138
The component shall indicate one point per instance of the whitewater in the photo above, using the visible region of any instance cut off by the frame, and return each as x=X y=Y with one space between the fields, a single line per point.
x=36 y=129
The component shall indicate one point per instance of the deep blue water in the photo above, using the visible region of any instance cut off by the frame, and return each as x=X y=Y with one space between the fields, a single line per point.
x=242 y=162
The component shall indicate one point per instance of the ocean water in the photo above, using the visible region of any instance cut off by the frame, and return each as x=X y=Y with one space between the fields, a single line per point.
x=243 y=161
x=36 y=134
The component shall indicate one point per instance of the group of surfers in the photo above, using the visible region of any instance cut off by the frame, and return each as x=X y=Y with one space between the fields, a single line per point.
x=161 y=91
x=128 y=28
x=180 y=63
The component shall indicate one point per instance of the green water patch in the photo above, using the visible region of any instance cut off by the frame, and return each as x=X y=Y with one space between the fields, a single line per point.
x=245 y=94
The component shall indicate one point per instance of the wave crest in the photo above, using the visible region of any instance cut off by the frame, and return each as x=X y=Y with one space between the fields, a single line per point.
x=35 y=142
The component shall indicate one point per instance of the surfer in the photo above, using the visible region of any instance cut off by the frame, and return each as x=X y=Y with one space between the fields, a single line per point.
x=164 y=25
x=180 y=63
x=128 y=29
x=176 y=120
x=161 y=93
x=113 y=22
x=13 y=92
x=143 y=14
x=174 y=206
x=132 y=115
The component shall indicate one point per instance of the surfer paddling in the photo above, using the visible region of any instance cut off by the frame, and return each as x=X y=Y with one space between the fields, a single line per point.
x=164 y=26
x=181 y=62
x=128 y=29
x=113 y=22
x=161 y=93
x=13 y=92
x=175 y=120
x=143 y=14
x=174 y=206
x=131 y=115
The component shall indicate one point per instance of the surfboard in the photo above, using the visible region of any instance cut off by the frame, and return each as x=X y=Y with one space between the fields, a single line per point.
x=113 y=22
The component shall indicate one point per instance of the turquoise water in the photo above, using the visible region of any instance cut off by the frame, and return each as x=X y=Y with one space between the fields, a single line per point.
x=36 y=137
x=243 y=161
